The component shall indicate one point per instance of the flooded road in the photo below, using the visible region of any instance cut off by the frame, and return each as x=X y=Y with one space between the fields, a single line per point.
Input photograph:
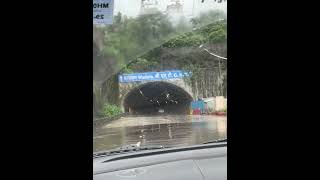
x=170 y=130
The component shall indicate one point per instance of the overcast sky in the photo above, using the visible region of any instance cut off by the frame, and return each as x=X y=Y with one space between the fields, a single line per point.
x=132 y=7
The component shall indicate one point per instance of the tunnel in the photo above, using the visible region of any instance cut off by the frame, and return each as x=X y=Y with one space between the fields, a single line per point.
x=157 y=97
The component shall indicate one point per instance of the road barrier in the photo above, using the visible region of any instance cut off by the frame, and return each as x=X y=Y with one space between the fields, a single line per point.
x=210 y=106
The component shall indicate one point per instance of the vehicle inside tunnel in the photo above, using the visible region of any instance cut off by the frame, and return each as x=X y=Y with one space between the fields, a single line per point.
x=157 y=97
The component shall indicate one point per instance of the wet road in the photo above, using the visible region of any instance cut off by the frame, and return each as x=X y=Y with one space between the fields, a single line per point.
x=179 y=130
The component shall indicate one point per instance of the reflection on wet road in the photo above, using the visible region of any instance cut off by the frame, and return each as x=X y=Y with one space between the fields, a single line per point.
x=168 y=130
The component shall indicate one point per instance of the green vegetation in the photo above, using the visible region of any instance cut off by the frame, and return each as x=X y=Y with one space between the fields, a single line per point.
x=183 y=51
x=110 y=110
x=131 y=37
x=141 y=64
x=212 y=33
x=207 y=18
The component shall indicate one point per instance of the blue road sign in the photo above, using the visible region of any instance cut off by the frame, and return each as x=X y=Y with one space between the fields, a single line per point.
x=153 y=76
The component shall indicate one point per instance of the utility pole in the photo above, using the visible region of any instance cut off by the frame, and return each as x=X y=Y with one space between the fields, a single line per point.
x=220 y=85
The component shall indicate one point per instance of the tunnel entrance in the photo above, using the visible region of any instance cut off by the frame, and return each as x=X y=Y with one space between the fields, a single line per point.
x=157 y=97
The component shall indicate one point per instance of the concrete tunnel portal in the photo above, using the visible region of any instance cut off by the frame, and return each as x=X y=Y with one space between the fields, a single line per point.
x=152 y=97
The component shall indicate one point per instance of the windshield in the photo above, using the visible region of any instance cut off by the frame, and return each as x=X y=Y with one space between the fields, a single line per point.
x=160 y=72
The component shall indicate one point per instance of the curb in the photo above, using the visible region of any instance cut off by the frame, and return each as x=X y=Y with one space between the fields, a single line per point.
x=101 y=121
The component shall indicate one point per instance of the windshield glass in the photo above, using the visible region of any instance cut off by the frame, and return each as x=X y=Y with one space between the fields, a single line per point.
x=159 y=72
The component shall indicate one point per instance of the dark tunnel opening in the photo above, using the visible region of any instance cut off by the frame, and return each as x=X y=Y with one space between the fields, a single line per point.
x=157 y=97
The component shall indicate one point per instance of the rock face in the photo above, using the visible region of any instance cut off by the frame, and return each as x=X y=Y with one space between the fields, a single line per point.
x=105 y=87
x=98 y=35
x=103 y=67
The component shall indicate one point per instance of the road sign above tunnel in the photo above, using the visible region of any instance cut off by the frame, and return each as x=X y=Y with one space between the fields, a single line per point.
x=153 y=76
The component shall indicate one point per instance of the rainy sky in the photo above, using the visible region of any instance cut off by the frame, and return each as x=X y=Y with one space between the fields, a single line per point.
x=132 y=7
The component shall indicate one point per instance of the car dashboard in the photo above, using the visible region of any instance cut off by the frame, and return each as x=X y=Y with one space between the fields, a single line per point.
x=201 y=162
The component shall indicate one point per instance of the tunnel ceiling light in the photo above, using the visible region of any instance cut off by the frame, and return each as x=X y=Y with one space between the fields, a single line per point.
x=141 y=92
x=156 y=95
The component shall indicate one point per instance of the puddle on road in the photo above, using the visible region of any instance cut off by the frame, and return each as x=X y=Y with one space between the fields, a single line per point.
x=173 y=131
